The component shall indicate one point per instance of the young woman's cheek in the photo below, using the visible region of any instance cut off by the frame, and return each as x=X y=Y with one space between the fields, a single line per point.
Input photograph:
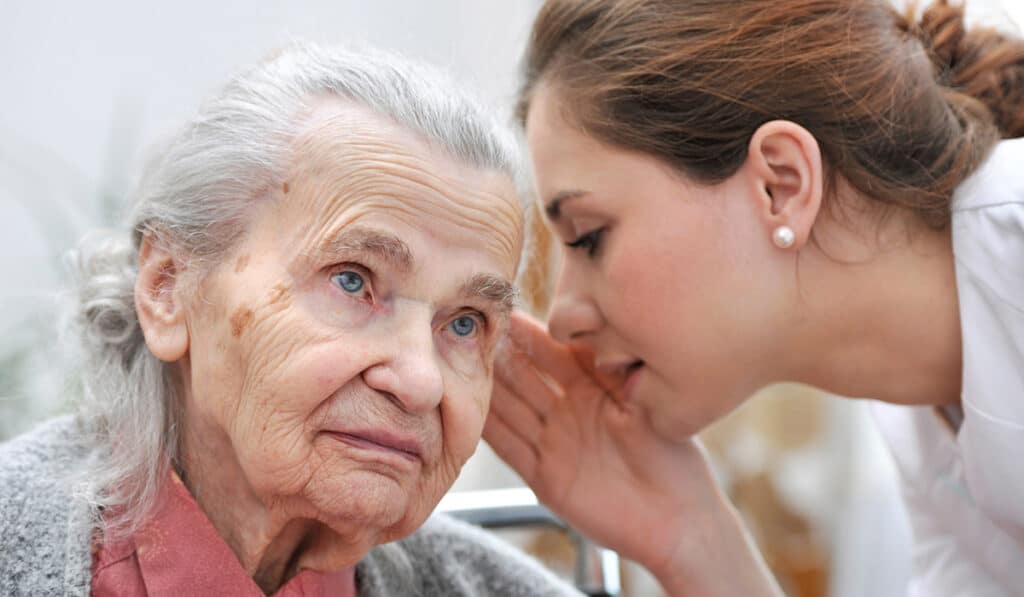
x=631 y=289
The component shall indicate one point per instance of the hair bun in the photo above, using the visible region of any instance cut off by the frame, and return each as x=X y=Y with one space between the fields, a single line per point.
x=982 y=63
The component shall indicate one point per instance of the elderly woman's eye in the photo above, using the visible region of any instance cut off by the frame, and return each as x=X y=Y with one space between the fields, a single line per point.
x=463 y=326
x=350 y=281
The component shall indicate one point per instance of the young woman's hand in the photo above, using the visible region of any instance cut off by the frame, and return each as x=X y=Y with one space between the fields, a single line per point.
x=598 y=464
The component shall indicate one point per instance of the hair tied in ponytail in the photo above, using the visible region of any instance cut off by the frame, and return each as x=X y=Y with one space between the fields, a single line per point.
x=980 y=63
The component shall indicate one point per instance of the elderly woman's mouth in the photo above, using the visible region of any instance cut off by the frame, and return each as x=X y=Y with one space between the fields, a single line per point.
x=382 y=443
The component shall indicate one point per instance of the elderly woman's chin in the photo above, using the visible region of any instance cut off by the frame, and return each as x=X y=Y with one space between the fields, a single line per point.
x=345 y=492
x=396 y=507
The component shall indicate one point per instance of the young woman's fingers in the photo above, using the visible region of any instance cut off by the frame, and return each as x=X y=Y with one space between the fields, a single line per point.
x=531 y=339
x=517 y=414
x=511 y=448
x=518 y=376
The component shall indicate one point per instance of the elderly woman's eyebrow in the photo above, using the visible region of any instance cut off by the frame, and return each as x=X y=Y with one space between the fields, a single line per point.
x=492 y=289
x=363 y=239
x=393 y=250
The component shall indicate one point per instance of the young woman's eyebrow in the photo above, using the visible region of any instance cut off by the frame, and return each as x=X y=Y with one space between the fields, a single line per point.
x=554 y=205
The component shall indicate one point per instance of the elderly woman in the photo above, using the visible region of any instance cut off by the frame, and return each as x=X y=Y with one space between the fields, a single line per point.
x=289 y=360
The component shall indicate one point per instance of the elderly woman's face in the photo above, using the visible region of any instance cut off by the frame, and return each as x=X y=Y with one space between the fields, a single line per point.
x=344 y=350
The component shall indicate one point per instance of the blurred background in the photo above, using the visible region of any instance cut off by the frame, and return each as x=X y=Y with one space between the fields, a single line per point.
x=88 y=87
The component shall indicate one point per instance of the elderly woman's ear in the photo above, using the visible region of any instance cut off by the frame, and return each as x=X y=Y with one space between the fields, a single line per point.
x=158 y=301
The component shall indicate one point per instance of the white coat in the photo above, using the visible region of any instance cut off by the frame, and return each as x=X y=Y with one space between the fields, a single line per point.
x=964 y=479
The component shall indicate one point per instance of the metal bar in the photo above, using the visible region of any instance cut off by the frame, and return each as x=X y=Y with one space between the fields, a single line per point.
x=596 y=569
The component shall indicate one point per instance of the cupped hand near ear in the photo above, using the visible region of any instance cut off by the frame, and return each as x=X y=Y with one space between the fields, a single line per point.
x=597 y=463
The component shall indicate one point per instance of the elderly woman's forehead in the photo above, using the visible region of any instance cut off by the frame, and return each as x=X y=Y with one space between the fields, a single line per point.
x=349 y=160
x=338 y=138
x=334 y=125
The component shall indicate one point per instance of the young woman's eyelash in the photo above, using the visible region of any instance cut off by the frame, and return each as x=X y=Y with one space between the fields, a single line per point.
x=590 y=241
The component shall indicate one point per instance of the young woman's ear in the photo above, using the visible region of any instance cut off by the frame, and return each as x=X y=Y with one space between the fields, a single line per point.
x=160 y=311
x=785 y=163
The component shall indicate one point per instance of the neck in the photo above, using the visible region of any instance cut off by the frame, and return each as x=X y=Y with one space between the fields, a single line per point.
x=880 y=318
x=272 y=547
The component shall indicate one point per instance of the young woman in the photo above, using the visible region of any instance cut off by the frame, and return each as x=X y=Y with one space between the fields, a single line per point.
x=819 y=191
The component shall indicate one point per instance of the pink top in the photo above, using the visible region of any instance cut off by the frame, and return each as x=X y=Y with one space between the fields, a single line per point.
x=180 y=553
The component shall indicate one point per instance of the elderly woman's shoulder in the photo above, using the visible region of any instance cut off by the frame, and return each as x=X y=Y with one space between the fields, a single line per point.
x=449 y=557
x=44 y=455
x=36 y=507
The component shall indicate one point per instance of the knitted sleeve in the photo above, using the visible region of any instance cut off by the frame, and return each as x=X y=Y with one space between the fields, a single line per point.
x=448 y=557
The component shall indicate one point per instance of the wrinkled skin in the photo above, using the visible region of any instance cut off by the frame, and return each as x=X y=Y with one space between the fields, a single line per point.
x=338 y=364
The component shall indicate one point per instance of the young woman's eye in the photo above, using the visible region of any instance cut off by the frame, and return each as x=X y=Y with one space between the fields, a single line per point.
x=351 y=282
x=464 y=326
x=590 y=241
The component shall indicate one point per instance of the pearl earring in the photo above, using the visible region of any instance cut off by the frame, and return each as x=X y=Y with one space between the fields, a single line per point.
x=783 y=237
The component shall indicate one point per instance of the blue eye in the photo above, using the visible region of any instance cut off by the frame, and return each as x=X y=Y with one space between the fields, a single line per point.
x=349 y=281
x=463 y=326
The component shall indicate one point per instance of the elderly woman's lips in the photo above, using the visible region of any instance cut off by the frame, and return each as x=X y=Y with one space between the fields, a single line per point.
x=405 y=447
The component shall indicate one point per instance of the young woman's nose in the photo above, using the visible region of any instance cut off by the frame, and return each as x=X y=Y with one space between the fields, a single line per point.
x=574 y=316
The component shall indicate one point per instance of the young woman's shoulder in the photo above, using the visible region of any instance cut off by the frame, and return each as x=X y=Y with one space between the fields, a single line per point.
x=988 y=230
x=998 y=182
x=988 y=244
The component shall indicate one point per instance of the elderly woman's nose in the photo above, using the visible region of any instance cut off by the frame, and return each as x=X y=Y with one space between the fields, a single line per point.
x=574 y=315
x=412 y=370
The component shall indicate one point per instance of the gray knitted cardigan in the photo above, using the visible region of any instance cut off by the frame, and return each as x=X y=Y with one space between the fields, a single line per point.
x=46 y=528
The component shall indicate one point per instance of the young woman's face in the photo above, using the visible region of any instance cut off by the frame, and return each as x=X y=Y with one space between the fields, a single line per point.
x=674 y=285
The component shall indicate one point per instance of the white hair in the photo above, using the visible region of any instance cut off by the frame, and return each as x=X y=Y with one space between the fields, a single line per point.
x=195 y=195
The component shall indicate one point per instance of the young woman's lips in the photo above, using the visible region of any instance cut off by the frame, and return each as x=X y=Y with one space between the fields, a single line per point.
x=382 y=444
x=622 y=375
x=633 y=372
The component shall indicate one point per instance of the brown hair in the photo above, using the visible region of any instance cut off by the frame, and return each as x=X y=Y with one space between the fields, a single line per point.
x=903 y=109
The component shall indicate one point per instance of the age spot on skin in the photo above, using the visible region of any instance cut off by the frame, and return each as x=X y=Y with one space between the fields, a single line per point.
x=241 y=264
x=285 y=187
x=240 y=320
